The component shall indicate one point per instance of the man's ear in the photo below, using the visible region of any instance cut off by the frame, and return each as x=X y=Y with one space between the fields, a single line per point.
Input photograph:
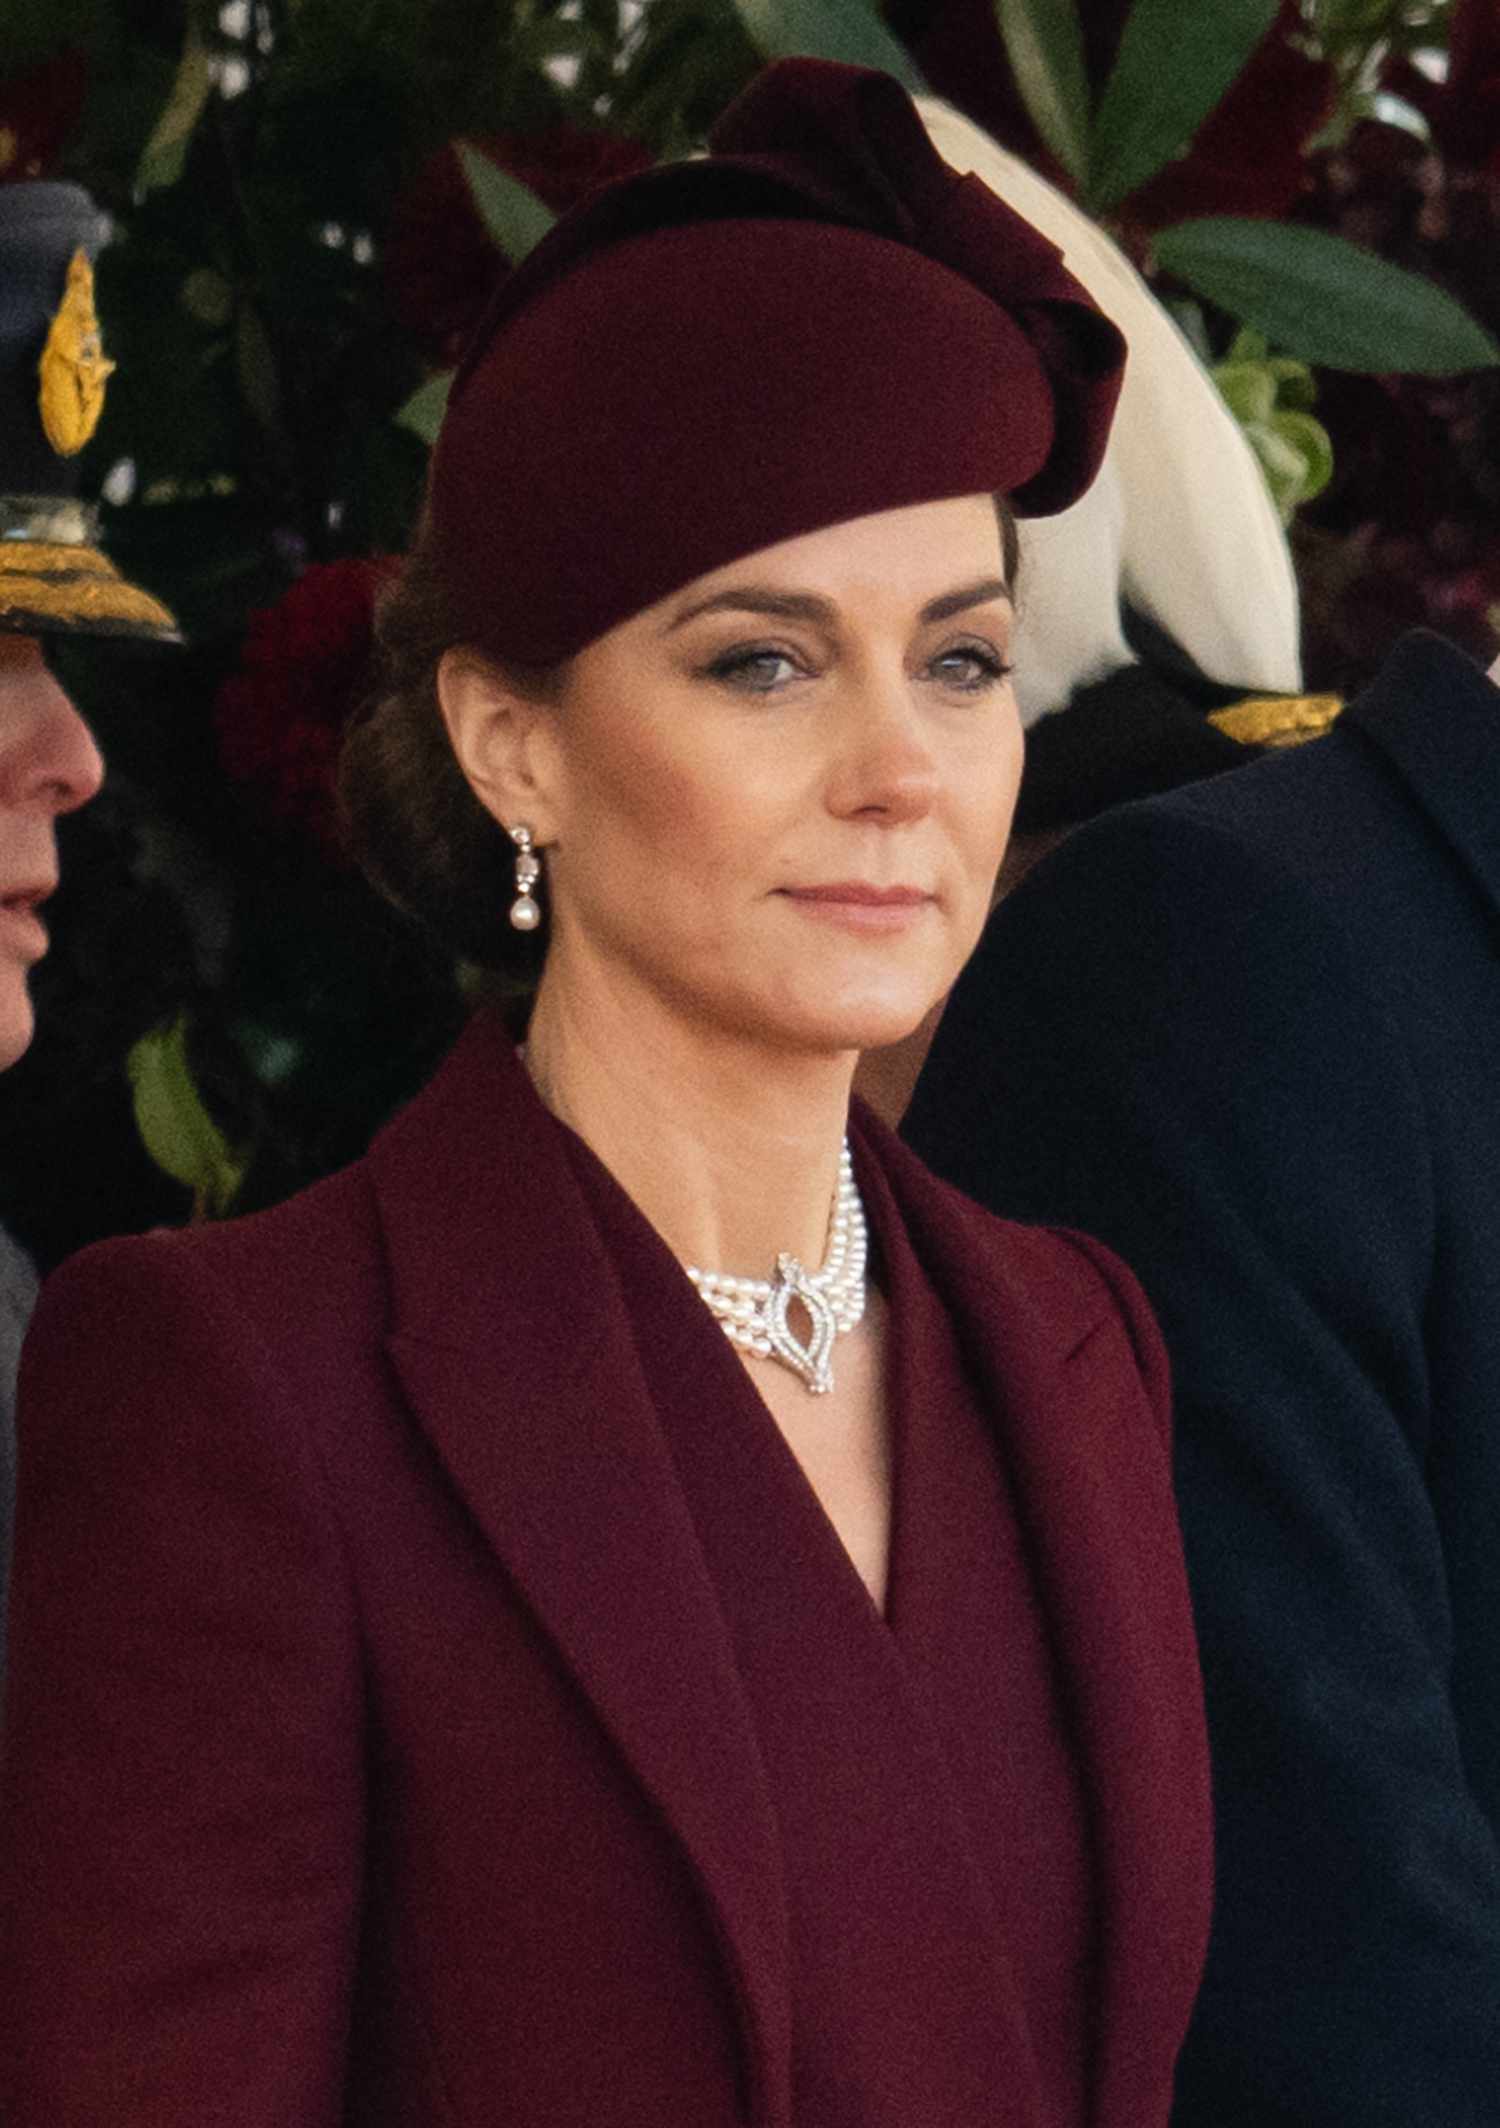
x=505 y=741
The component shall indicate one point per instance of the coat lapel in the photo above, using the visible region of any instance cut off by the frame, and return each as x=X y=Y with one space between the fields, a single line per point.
x=1436 y=718
x=515 y=1351
x=1096 y=1504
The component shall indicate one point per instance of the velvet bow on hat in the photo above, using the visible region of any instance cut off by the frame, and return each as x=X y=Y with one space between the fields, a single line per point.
x=817 y=321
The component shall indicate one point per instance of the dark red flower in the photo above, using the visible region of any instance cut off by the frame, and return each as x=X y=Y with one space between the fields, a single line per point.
x=1465 y=116
x=1246 y=159
x=440 y=263
x=280 y=718
x=1361 y=594
x=1405 y=533
x=39 y=108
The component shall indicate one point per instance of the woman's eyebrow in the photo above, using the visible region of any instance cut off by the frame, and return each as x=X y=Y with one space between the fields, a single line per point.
x=980 y=594
x=807 y=606
x=752 y=598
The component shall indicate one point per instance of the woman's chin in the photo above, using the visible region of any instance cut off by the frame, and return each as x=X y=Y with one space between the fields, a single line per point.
x=874 y=1023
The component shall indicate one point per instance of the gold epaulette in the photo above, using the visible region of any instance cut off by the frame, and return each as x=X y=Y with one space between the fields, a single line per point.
x=1277 y=720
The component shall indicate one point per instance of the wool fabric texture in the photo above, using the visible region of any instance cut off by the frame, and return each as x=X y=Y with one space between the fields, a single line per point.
x=817 y=321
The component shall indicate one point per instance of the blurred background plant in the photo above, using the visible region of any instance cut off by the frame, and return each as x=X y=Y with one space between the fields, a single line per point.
x=313 y=200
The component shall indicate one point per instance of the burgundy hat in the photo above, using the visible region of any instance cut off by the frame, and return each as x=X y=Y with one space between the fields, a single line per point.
x=818 y=320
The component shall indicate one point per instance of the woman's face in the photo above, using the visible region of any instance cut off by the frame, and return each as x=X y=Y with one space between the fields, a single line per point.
x=48 y=765
x=776 y=802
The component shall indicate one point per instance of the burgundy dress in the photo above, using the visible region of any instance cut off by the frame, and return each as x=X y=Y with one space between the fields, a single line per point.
x=920 y=1765
x=437 y=1699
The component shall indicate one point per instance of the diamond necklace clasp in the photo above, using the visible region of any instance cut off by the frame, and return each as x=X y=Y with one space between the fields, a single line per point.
x=753 y=1312
x=813 y=1361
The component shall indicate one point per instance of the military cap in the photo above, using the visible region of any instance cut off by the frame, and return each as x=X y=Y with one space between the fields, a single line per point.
x=54 y=578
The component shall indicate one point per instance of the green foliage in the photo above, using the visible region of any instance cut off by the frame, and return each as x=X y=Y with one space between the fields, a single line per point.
x=1044 y=44
x=1354 y=29
x=165 y=154
x=440 y=69
x=1270 y=396
x=673 y=80
x=848 y=30
x=424 y=410
x=175 y=1127
x=510 y=211
x=277 y=394
x=1324 y=299
x=34 y=30
x=1358 y=38
x=1173 y=67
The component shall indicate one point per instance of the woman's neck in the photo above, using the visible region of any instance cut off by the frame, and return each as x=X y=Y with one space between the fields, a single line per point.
x=729 y=1147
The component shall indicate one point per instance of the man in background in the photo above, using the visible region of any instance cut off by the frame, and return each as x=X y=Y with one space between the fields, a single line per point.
x=54 y=581
x=1248 y=1033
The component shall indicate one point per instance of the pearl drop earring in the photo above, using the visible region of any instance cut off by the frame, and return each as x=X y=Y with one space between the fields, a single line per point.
x=525 y=910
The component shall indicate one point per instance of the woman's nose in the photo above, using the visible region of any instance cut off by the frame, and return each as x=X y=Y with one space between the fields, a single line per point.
x=886 y=768
x=48 y=758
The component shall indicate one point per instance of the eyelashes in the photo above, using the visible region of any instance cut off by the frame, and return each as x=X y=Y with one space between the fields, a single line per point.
x=757 y=669
x=984 y=667
x=968 y=668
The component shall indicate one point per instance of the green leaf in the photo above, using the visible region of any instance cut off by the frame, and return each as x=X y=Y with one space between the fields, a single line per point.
x=1249 y=346
x=165 y=153
x=255 y=366
x=1296 y=385
x=1296 y=458
x=1325 y=299
x=176 y=1129
x=36 y=29
x=1282 y=466
x=1308 y=436
x=1248 y=389
x=827 y=29
x=1044 y=43
x=1176 y=59
x=424 y=410
x=510 y=211
x=207 y=297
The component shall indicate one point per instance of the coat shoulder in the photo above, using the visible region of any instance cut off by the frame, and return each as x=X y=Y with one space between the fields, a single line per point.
x=309 y=1268
x=1051 y=1285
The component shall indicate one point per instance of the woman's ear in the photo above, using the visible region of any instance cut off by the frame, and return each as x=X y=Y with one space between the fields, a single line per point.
x=503 y=739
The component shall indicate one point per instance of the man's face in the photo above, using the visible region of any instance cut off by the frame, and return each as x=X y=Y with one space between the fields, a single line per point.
x=48 y=765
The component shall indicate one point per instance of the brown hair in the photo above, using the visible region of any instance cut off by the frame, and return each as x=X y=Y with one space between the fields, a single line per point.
x=411 y=818
x=410 y=815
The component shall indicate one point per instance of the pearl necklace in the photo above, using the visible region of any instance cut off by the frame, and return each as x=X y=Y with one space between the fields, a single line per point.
x=753 y=1311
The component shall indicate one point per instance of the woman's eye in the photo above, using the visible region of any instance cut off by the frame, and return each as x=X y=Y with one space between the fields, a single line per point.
x=757 y=669
x=971 y=667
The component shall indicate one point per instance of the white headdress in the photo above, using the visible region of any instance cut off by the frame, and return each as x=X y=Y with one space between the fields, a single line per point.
x=1179 y=522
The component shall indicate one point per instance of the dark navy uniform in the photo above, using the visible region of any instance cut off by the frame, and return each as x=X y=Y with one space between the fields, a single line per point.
x=1248 y=1034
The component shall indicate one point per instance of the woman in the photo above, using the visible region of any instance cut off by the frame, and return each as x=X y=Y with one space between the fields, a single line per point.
x=460 y=1683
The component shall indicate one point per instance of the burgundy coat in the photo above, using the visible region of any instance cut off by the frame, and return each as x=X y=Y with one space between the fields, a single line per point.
x=375 y=1749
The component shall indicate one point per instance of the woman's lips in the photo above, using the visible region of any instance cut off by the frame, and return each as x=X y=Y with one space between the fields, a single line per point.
x=858 y=906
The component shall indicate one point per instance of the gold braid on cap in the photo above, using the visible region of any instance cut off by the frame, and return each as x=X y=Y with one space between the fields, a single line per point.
x=48 y=585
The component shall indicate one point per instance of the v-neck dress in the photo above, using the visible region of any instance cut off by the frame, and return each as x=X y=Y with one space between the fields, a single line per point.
x=934 y=1834
x=428 y=1653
